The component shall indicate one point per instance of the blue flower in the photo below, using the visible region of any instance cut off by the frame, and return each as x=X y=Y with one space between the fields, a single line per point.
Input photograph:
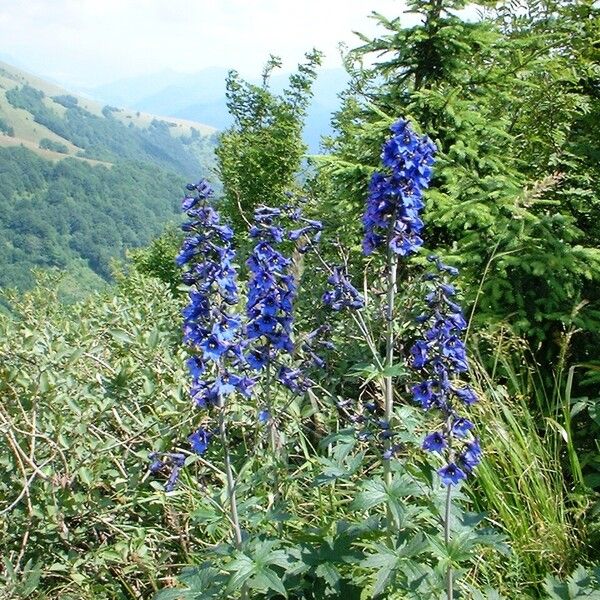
x=213 y=347
x=224 y=384
x=394 y=201
x=423 y=393
x=435 y=442
x=344 y=294
x=205 y=394
x=470 y=457
x=466 y=394
x=199 y=440
x=461 y=427
x=195 y=366
x=441 y=355
x=451 y=474
x=419 y=354
x=170 y=461
x=157 y=464
x=243 y=384
x=293 y=379
x=226 y=328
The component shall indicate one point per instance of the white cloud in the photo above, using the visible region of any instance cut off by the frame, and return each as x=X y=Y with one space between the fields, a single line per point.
x=86 y=42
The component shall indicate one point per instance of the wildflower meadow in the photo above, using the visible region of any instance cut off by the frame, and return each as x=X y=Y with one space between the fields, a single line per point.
x=370 y=372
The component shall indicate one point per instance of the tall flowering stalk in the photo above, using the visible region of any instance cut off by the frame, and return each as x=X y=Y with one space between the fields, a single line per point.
x=440 y=358
x=269 y=309
x=392 y=222
x=212 y=329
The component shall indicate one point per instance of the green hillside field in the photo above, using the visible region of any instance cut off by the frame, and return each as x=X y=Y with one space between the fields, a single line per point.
x=80 y=183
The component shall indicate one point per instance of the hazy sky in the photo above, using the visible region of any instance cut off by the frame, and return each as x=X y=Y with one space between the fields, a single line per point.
x=88 y=42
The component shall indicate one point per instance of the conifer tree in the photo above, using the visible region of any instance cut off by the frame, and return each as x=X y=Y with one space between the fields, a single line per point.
x=508 y=99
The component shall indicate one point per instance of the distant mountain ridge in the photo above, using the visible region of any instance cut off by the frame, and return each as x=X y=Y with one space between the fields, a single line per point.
x=81 y=181
x=201 y=97
x=35 y=112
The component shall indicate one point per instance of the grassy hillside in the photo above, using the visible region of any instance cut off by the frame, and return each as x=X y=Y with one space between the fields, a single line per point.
x=30 y=133
x=80 y=183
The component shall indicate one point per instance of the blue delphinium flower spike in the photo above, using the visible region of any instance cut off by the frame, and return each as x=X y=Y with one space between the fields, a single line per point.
x=440 y=357
x=342 y=293
x=392 y=215
x=272 y=291
x=211 y=328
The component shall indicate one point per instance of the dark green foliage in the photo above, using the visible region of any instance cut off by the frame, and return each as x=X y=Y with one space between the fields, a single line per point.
x=158 y=259
x=261 y=154
x=66 y=100
x=47 y=144
x=581 y=584
x=513 y=198
x=6 y=128
x=56 y=213
x=100 y=384
x=27 y=98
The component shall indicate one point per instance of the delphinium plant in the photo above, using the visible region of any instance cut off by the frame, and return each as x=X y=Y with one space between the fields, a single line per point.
x=212 y=329
x=393 y=226
x=440 y=358
x=253 y=353
x=392 y=222
x=272 y=290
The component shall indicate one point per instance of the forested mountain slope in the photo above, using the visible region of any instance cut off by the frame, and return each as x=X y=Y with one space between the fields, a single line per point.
x=80 y=183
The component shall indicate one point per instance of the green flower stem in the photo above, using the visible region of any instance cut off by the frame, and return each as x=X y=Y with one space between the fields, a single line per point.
x=392 y=268
x=235 y=521
x=449 y=588
x=272 y=428
x=273 y=442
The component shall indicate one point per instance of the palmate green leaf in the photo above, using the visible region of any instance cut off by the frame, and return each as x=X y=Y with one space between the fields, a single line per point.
x=253 y=567
x=266 y=579
x=486 y=594
x=264 y=553
x=242 y=568
x=153 y=339
x=346 y=437
x=390 y=562
x=148 y=386
x=332 y=470
x=579 y=585
x=386 y=573
x=375 y=492
x=368 y=372
x=86 y=476
x=30 y=576
x=329 y=573
x=201 y=583
x=398 y=370
x=489 y=538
